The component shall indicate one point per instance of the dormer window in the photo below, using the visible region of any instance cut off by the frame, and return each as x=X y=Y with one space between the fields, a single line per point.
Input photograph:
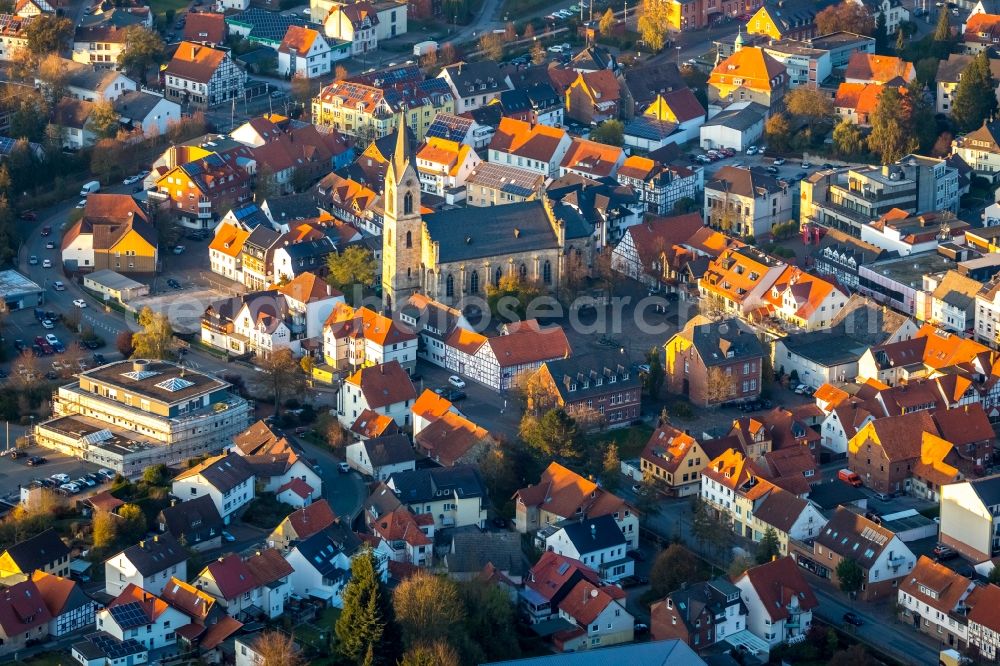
x=572 y=387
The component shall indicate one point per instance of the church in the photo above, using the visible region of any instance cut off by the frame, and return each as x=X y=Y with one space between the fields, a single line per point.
x=454 y=254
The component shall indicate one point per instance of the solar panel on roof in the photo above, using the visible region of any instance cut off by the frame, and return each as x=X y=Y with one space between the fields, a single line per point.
x=129 y=616
x=114 y=648
x=6 y=144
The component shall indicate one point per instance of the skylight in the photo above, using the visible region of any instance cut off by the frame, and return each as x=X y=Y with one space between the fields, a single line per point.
x=139 y=375
x=174 y=384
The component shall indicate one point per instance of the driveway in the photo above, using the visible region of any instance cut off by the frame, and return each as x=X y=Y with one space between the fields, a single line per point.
x=346 y=493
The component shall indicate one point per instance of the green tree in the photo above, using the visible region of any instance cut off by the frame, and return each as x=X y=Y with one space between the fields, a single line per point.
x=354 y=267
x=892 y=135
x=611 y=472
x=490 y=623
x=684 y=205
x=848 y=140
x=673 y=566
x=133 y=522
x=366 y=629
x=104 y=120
x=994 y=576
x=428 y=609
x=654 y=378
x=739 y=566
x=607 y=23
x=769 y=546
x=143 y=49
x=156 y=339
x=920 y=116
x=155 y=475
x=850 y=575
x=856 y=655
x=974 y=99
x=48 y=33
x=881 y=33
x=610 y=132
x=778 y=132
x=942 y=32
x=654 y=22
x=280 y=377
x=553 y=435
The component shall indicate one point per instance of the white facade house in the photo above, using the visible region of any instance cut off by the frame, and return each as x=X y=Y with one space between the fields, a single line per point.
x=304 y=53
x=841 y=424
x=597 y=542
x=354 y=23
x=381 y=457
x=147 y=565
x=443 y=166
x=970 y=517
x=152 y=624
x=536 y=148
x=475 y=84
x=152 y=113
x=359 y=338
x=740 y=126
x=244 y=586
x=599 y=611
x=779 y=601
x=385 y=389
x=228 y=479
x=455 y=496
x=321 y=566
x=987 y=313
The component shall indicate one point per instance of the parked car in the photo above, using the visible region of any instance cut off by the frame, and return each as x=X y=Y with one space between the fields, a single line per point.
x=80 y=303
x=36 y=460
x=46 y=230
x=106 y=473
x=456 y=381
x=227 y=536
x=851 y=617
x=343 y=468
x=32 y=260
x=778 y=161
x=61 y=478
x=99 y=359
x=801 y=389
x=58 y=285
x=51 y=339
x=179 y=249
x=47 y=263
x=943 y=552
x=48 y=324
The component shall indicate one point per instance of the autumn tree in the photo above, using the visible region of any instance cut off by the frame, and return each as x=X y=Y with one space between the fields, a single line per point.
x=52 y=73
x=536 y=393
x=611 y=472
x=142 y=49
x=538 y=55
x=491 y=46
x=552 y=435
x=133 y=522
x=277 y=649
x=892 y=134
x=719 y=386
x=124 y=344
x=848 y=16
x=428 y=609
x=104 y=529
x=352 y=269
x=654 y=22
x=48 y=33
x=777 y=131
x=437 y=653
x=673 y=566
x=429 y=60
x=104 y=120
x=366 y=630
x=510 y=32
x=610 y=132
x=942 y=31
x=529 y=32
x=809 y=104
x=156 y=339
x=607 y=23
x=280 y=376
x=848 y=140
x=340 y=73
x=448 y=54
x=974 y=99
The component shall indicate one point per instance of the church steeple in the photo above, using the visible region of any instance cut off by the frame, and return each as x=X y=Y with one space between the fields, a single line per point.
x=401 y=226
x=401 y=156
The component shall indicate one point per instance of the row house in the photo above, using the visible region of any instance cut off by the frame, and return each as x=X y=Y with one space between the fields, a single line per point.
x=454 y=496
x=701 y=615
x=933 y=599
x=928 y=352
x=359 y=338
x=536 y=148
x=660 y=187
x=384 y=389
x=746 y=201
x=984 y=623
x=372 y=111
x=203 y=77
x=563 y=495
x=349 y=201
x=257 y=257
x=433 y=322
x=199 y=190
x=382 y=454
x=695 y=14
x=226 y=249
x=595 y=389
x=779 y=601
x=591 y=159
x=475 y=84
x=443 y=167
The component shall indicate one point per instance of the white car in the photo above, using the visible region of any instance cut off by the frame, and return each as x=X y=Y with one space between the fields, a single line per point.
x=456 y=381
x=51 y=339
x=71 y=488
x=132 y=179
x=306 y=12
x=47 y=263
x=61 y=478
x=48 y=324
x=801 y=389
x=555 y=49
x=106 y=473
x=58 y=285
x=82 y=204
x=80 y=303
x=752 y=150
x=179 y=249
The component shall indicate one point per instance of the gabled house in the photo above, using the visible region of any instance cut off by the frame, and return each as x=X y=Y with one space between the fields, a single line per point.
x=302 y=524
x=100 y=647
x=141 y=616
x=932 y=598
x=274 y=471
x=880 y=69
x=600 y=616
x=362 y=338
x=597 y=542
x=674 y=460
x=385 y=389
x=251 y=588
x=203 y=76
x=225 y=251
x=304 y=53
x=196 y=603
x=475 y=84
x=658 y=186
x=196 y=523
x=593 y=97
x=409 y=536
x=538 y=149
x=591 y=159
x=701 y=614
x=563 y=495
x=749 y=74
x=779 y=601
x=984 y=625
x=549 y=581
x=68 y=605
x=147 y=565
x=113 y=233
x=24 y=616
x=453 y=440
x=444 y=166
x=969 y=517
x=150 y=113
x=598 y=390
x=371 y=424
x=747 y=202
x=884 y=452
x=321 y=564
x=228 y=479
x=455 y=496
x=356 y=23
x=42 y=552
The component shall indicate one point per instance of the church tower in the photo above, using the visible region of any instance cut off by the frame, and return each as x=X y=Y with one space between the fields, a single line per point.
x=401 y=231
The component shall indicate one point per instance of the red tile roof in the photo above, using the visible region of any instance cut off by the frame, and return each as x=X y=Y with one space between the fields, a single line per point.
x=361 y=323
x=552 y=571
x=985 y=604
x=55 y=590
x=151 y=604
x=587 y=601
x=383 y=385
x=268 y=566
x=878 y=68
x=529 y=343
x=220 y=631
x=561 y=492
x=311 y=519
x=195 y=62
x=22 y=608
x=777 y=583
x=196 y=604
x=205 y=27
x=232 y=576
x=372 y=424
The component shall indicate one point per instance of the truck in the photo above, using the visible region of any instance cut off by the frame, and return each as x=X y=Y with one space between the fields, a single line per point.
x=849 y=477
x=423 y=48
x=90 y=188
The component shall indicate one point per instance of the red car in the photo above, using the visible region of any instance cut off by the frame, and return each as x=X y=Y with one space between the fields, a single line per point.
x=46 y=230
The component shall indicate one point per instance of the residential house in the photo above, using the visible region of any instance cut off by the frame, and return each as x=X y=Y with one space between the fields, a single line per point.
x=198 y=190
x=385 y=389
x=932 y=598
x=99 y=44
x=882 y=556
x=443 y=166
x=355 y=23
x=674 y=460
x=257 y=257
x=372 y=424
x=562 y=495
x=949 y=74
x=968 y=517
x=660 y=187
x=113 y=233
x=880 y=69
x=980 y=149
x=600 y=616
x=147 y=565
x=675 y=117
x=475 y=84
x=549 y=581
x=142 y=616
x=855 y=102
x=455 y=496
x=788 y=516
x=100 y=647
x=24 y=617
x=206 y=28
x=738 y=127
x=294 y=258
x=203 y=76
x=597 y=542
x=596 y=389
x=409 y=536
x=593 y=97
x=90 y=83
x=714 y=362
x=380 y=457
x=452 y=439
x=700 y=614
x=884 y=452
x=13 y=34
x=779 y=601
x=196 y=522
x=749 y=74
x=228 y=479
x=360 y=338
x=301 y=524
x=499 y=184
x=780 y=21
x=68 y=605
x=304 y=53
x=321 y=564
x=72 y=117
x=805 y=65
x=257 y=586
x=591 y=159
x=225 y=251
x=43 y=552
x=746 y=201
x=984 y=627
x=953 y=300
x=536 y=148
x=151 y=113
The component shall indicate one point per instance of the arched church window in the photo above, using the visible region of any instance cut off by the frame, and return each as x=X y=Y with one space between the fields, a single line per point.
x=408 y=203
x=474 y=282
x=449 y=286
x=409 y=239
x=547 y=272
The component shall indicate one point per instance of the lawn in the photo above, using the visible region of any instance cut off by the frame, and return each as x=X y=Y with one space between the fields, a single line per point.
x=309 y=633
x=47 y=659
x=160 y=7
x=630 y=441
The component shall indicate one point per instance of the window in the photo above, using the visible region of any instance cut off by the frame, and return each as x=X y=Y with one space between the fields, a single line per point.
x=409 y=239
x=449 y=285
x=474 y=282
x=547 y=272
x=408 y=208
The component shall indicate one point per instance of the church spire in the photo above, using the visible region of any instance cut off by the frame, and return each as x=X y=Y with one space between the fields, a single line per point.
x=401 y=156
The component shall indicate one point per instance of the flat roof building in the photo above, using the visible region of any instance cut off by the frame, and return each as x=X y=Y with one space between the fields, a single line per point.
x=18 y=291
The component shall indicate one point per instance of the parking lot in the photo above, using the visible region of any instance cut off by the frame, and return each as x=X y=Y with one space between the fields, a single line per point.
x=17 y=473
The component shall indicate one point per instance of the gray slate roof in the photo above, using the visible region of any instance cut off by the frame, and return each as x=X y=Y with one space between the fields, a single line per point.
x=473 y=233
x=389 y=450
x=38 y=551
x=471 y=550
x=709 y=339
x=422 y=485
x=594 y=534
x=154 y=555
